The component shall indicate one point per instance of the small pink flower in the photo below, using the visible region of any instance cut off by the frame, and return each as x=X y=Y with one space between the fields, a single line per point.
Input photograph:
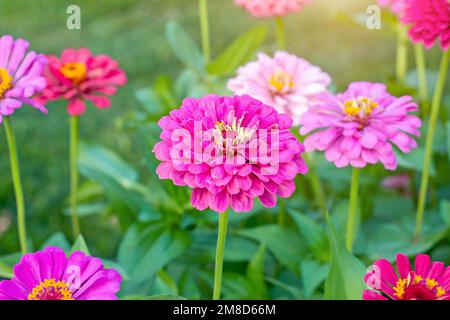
x=51 y=275
x=360 y=125
x=397 y=6
x=229 y=150
x=286 y=82
x=427 y=281
x=78 y=76
x=20 y=76
x=271 y=8
x=429 y=20
x=400 y=182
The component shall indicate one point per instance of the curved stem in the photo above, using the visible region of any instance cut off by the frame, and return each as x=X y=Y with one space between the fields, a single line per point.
x=281 y=35
x=435 y=106
x=422 y=75
x=402 y=54
x=352 y=208
x=15 y=173
x=221 y=237
x=204 y=28
x=74 y=175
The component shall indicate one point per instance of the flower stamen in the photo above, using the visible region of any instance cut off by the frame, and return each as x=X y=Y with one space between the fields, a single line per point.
x=50 y=289
x=74 y=71
x=281 y=82
x=5 y=82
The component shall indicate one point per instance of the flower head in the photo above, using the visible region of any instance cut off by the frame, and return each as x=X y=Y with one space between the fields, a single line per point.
x=360 y=125
x=271 y=8
x=397 y=6
x=429 y=21
x=50 y=275
x=78 y=76
x=286 y=82
x=229 y=150
x=20 y=75
x=426 y=281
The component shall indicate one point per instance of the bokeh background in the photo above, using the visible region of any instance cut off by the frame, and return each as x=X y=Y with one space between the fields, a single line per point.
x=331 y=34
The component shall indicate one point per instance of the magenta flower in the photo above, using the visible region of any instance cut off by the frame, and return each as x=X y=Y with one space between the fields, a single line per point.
x=20 y=75
x=78 y=76
x=271 y=8
x=50 y=275
x=429 y=21
x=360 y=125
x=427 y=281
x=396 y=6
x=286 y=82
x=229 y=150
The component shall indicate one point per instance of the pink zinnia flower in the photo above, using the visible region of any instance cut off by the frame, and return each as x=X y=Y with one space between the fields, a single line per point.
x=20 y=75
x=78 y=76
x=429 y=20
x=50 y=275
x=400 y=182
x=397 y=6
x=360 y=125
x=427 y=281
x=229 y=150
x=286 y=82
x=271 y=8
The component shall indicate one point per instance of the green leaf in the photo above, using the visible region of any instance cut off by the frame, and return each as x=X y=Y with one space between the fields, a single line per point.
x=183 y=46
x=283 y=243
x=57 y=240
x=80 y=245
x=255 y=274
x=239 y=52
x=313 y=234
x=313 y=275
x=346 y=277
x=414 y=160
x=448 y=140
x=444 y=210
x=5 y=271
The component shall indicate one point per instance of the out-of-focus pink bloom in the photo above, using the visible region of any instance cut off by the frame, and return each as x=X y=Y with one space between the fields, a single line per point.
x=78 y=76
x=271 y=8
x=360 y=125
x=426 y=281
x=229 y=150
x=20 y=76
x=397 y=6
x=399 y=182
x=429 y=21
x=286 y=82
x=51 y=275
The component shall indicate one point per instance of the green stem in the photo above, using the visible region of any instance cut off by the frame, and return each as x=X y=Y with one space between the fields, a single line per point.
x=435 y=106
x=74 y=175
x=281 y=35
x=15 y=172
x=352 y=208
x=222 y=234
x=422 y=75
x=282 y=212
x=316 y=184
x=204 y=28
x=402 y=54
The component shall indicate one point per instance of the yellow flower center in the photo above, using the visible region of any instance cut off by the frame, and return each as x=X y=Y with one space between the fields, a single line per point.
x=403 y=285
x=229 y=137
x=5 y=82
x=281 y=82
x=50 y=289
x=361 y=107
x=74 y=71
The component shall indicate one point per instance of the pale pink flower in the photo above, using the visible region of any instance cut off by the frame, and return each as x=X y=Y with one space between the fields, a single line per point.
x=271 y=8
x=396 y=6
x=286 y=82
x=360 y=126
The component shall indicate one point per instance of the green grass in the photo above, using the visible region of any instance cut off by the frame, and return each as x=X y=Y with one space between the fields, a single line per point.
x=132 y=32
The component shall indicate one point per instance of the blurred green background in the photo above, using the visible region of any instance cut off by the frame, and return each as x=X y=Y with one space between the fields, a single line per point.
x=132 y=32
